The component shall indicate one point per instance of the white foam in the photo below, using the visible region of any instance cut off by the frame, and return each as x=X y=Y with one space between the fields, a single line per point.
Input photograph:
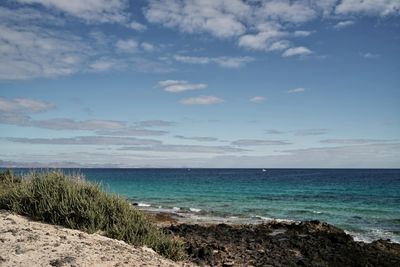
x=372 y=235
x=194 y=210
x=143 y=204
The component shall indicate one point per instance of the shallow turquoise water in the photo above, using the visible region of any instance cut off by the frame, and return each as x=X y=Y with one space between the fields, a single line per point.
x=365 y=203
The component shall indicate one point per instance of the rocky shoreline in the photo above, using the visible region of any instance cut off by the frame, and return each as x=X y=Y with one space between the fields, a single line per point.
x=309 y=243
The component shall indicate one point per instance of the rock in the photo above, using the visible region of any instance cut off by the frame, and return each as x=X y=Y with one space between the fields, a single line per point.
x=61 y=262
x=19 y=250
x=311 y=243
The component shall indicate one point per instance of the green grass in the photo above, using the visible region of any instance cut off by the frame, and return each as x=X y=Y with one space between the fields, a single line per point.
x=70 y=201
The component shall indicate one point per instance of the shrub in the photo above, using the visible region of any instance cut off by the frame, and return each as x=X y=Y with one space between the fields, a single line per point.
x=70 y=201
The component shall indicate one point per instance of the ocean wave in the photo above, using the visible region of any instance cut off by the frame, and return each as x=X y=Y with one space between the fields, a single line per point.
x=194 y=210
x=140 y=204
x=371 y=235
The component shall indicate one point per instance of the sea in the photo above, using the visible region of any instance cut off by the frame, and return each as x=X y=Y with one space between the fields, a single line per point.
x=363 y=202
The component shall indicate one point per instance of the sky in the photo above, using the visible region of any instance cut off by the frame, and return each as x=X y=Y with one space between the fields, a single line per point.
x=200 y=83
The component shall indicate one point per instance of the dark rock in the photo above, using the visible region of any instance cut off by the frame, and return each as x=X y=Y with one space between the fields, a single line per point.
x=61 y=262
x=312 y=243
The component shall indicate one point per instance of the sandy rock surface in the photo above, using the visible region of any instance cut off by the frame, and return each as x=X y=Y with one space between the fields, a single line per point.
x=28 y=243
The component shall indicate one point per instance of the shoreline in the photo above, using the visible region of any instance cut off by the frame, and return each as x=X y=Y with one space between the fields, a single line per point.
x=200 y=217
x=276 y=243
x=301 y=243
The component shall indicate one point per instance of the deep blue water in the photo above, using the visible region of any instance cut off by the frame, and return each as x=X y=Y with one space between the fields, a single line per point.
x=364 y=202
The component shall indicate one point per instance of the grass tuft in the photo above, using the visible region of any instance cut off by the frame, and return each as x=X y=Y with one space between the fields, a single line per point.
x=70 y=201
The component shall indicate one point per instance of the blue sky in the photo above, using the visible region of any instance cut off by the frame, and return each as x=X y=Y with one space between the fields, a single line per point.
x=222 y=83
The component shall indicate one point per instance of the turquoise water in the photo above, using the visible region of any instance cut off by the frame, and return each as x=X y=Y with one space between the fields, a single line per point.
x=364 y=202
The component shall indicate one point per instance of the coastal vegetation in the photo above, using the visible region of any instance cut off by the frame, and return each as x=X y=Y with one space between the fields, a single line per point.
x=69 y=200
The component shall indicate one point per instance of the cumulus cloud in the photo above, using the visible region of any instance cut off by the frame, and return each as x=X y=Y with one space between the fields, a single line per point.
x=368 y=7
x=296 y=90
x=225 y=62
x=220 y=18
x=259 y=142
x=287 y=11
x=23 y=105
x=36 y=44
x=297 y=51
x=127 y=46
x=257 y=99
x=148 y=47
x=90 y=11
x=137 y=26
x=201 y=100
x=177 y=86
x=133 y=46
x=268 y=38
x=302 y=33
x=343 y=24
x=29 y=52
x=104 y=64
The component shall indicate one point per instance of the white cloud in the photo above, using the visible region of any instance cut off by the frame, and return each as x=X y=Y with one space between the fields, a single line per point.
x=127 y=46
x=137 y=26
x=147 y=47
x=132 y=131
x=201 y=100
x=257 y=99
x=370 y=55
x=359 y=156
x=70 y=124
x=35 y=44
x=102 y=65
x=186 y=149
x=86 y=140
x=177 y=86
x=30 y=52
x=156 y=123
x=23 y=105
x=343 y=24
x=258 y=142
x=302 y=33
x=197 y=138
x=307 y=132
x=222 y=18
x=297 y=51
x=269 y=38
x=296 y=90
x=226 y=62
x=89 y=11
x=369 y=7
x=355 y=141
x=287 y=11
